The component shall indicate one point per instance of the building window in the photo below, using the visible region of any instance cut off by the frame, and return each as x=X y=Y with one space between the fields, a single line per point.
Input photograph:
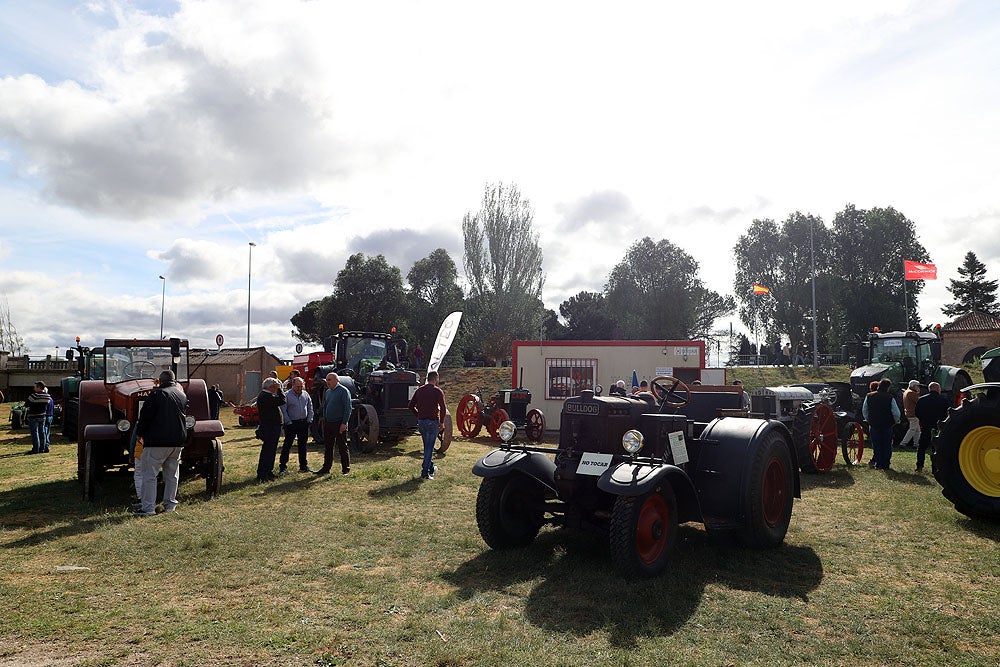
x=568 y=377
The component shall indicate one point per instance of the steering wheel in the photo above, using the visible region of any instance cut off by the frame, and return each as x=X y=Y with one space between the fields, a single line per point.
x=140 y=368
x=662 y=393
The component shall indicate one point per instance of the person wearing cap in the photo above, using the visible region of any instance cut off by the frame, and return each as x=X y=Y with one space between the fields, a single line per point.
x=931 y=409
x=162 y=433
x=910 y=397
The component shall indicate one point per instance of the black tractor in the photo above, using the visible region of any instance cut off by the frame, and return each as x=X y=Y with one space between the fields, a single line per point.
x=634 y=467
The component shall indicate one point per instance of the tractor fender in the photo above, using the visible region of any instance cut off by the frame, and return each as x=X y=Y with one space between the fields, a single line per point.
x=500 y=462
x=208 y=428
x=95 y=407
x=953 y=373
x=197 y=395
x=634 y=479
x=727 y=449
x=101 y=432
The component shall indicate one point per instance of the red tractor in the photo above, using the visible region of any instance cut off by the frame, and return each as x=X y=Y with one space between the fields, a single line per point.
x=506 y=405
x=110 y=405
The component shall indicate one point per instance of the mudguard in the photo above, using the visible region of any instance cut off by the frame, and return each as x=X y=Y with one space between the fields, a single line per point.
x=634 y=479
x=209 y=428
x=727 y=448
x=197 y=395
x=95 y=432
x=947 y=378
x=500 y=462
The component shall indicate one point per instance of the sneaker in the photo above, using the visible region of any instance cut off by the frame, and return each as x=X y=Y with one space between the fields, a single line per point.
x=306 y=469
x=346 y=472
x=434 y=471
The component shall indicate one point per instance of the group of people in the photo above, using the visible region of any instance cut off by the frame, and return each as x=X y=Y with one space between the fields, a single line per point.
x=923 y=414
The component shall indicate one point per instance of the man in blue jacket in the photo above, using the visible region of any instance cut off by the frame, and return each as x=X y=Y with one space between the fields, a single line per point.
x=336 y=412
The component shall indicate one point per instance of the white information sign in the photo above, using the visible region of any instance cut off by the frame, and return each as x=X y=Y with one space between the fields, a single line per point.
x=665 y=370
x=593 y=464
x=686 y=352
x=678 y=448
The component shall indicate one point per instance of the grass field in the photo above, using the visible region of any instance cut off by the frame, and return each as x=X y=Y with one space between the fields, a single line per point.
x=379 y=568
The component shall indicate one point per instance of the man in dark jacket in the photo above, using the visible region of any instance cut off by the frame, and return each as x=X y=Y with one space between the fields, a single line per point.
x=881 y=412
x=931 y=408
x=336 y=415
x=269 y=402
x=38 y=407
x=162 y=433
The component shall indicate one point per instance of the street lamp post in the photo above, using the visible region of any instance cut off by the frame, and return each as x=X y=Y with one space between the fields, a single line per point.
x=812 y=271
x=163 y=300
x=249 y=274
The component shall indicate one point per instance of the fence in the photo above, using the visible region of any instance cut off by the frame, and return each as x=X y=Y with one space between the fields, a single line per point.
x=766 y=360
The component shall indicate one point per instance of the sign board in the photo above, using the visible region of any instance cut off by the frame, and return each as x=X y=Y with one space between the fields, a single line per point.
x=219 y=340
x=593 y=464
x=678 y=449
x=298 y=348
x=667 y=371
x=446 y=334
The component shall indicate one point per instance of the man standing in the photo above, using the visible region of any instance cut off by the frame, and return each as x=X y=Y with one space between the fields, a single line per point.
x=269 y=402
x=881 y=412
x=214 y=401
x=162 y=433
x=931 y=408
x=429 y=406
x=290 y=382
x=298 y=413
x=910 y=397
x=39 y=407
x=336 y=413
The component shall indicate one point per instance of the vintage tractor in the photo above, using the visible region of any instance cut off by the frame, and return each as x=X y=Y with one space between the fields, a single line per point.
x=88 y=367
x=634 y=467
x=816 y=416
x=505 y=405
x=966 y=458
x=247 y=414
x=110 y=406
x=373 y=367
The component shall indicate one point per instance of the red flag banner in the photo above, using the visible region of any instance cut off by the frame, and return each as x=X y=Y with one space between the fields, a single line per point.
x=918 y=271
x=760 y=289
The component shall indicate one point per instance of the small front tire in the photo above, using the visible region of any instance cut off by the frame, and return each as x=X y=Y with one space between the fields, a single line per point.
x=510 y=510
x=643 y=532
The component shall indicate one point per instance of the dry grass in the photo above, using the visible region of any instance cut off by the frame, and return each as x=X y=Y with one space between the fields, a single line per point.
x=380 y=569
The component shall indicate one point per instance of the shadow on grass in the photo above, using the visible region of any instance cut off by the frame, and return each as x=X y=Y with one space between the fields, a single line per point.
x=988 y=529
x=579 y=592
x=409 y=486
x=838 y=477
x=915 y=478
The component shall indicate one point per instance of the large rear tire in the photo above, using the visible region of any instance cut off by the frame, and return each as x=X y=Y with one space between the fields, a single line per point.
x=767 y=503
x=510 y=510
x=852 y=443
x=801 y=430
x=367 y=431
x=470 y=415
x=498 y=417
x=445 y=436
x=90 y=471
x=213 y=480
x=534 y=425
x=966 y=462
x=70 y=417
x=643 y=532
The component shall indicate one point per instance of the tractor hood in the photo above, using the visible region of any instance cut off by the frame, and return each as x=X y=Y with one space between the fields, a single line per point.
x=862 y=377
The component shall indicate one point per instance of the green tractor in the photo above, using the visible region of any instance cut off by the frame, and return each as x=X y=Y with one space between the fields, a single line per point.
x=966 y=458
x=89 y=366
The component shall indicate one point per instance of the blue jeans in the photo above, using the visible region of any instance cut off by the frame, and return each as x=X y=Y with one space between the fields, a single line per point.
x=37 y=427
x=429 y=432
x=881 y=438
x=48 y=430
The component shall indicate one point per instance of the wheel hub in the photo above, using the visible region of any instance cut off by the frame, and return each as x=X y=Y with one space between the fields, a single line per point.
x=979 y=460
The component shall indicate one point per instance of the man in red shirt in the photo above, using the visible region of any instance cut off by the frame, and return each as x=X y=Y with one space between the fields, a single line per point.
x=429 y=406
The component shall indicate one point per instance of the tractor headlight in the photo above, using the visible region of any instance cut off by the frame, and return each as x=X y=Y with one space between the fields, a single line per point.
x=632 y=441
x=507 y=431
x=189 y=422
x=122 y=425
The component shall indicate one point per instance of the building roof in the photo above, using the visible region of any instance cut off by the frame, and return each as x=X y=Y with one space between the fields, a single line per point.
x=974 y=321
x=232 y=356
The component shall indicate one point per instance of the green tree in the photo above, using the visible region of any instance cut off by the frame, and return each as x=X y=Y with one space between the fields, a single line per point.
x=778 y=257
x=866 y=270
x=657 y=291
x=503 y=264
x=367 y=296
x=587 y=317
x=972 y=291
x=434 y=294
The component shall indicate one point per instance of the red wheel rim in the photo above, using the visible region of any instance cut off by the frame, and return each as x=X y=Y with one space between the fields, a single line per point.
x=651 y=529
x=499 y=417
x=823 y=437
x=534 y=425
x=469 y=413
x=855 y=444
x=773 y=492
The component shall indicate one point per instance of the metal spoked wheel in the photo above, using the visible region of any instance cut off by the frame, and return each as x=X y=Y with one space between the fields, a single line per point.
x=823 y=437
x=444 y=437
x=534 y=425
x=470 y=415
x=498 y=417
x=852 y=443
x=367 y=428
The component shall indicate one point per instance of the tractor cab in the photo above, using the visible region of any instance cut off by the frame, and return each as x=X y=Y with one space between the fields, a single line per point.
x=900 y=356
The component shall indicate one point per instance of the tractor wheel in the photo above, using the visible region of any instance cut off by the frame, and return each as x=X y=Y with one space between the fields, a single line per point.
x=643 y=532
x=90 y=470
x=510 y=510
x=498 y=417
x=70 y=417
x=966 y=462
x=470 y=415
x=444 y=437
x=213 y=480
x=962 y=380
x=802 y=435
x=243 y=421
x=767 y=505
x=534 y=425
x=367 y=431
x=823 y=438
x=852 y=443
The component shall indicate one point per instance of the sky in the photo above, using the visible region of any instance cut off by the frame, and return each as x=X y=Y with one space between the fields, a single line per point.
x=162 y=137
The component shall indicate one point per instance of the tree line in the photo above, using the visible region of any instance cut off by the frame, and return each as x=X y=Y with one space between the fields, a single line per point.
x=654 y=292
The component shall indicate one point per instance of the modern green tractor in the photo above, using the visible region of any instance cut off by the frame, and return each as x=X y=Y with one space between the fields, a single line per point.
x=966 y=459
